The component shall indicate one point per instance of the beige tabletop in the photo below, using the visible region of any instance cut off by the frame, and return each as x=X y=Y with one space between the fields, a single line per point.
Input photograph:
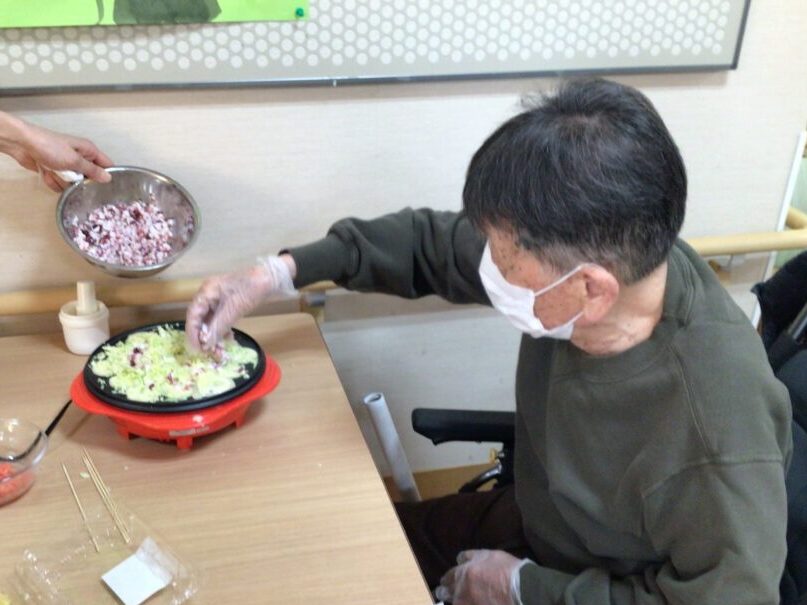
x=288 y=508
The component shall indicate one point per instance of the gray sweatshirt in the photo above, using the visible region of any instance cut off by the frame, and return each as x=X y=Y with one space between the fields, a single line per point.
x=648 y=477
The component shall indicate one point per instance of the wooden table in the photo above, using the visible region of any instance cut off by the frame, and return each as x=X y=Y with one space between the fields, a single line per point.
x=289 y=508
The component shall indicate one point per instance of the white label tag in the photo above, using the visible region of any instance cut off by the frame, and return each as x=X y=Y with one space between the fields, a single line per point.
x=136 y=578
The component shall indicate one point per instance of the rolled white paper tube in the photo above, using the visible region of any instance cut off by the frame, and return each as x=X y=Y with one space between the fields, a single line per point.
x=391 y=444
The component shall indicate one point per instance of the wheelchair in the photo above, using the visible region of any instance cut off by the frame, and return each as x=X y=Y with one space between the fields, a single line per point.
x=442 y=425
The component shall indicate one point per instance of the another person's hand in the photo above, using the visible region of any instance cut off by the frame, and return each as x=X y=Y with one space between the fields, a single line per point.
x=42 y=150
x=224 y=299
x=482 y=577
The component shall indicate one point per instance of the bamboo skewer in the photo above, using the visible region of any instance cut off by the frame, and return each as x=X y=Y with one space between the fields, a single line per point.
x=106 y=496
x=80 y=508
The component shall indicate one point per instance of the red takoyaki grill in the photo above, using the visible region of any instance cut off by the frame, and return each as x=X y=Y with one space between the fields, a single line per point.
x=183 y=421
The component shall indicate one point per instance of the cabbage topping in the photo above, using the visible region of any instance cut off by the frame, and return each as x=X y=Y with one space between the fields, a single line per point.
x=157 y=367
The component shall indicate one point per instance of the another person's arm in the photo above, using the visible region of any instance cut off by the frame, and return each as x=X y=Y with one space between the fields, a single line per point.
x=38 y=148
x=411 y=253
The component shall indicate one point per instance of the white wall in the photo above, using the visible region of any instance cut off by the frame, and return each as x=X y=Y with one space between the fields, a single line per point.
x=274 y=167
x=459 y=359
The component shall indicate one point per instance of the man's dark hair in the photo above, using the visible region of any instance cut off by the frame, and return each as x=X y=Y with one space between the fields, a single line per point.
x=588 y=174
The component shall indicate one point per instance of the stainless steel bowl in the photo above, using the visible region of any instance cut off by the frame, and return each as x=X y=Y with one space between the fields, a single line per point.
x=130 y=183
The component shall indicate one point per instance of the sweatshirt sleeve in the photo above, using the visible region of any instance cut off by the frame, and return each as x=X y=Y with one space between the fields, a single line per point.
x=720 y=530
x=411 y=253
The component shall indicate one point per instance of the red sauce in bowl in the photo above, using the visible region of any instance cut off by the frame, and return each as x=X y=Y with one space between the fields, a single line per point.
x=12 y=483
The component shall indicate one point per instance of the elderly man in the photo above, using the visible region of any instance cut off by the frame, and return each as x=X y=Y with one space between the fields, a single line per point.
x=652 y=438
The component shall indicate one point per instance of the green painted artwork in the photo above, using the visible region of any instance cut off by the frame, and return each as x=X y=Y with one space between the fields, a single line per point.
x=68 y=13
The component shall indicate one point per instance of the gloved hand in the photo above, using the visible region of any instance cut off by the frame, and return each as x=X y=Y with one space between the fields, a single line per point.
x=223 y=299
x=482 y=577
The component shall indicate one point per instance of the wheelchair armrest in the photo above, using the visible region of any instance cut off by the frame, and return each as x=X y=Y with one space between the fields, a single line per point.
x=441 y=425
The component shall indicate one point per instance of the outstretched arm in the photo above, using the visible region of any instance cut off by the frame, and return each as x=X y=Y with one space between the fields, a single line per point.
x=43 y=150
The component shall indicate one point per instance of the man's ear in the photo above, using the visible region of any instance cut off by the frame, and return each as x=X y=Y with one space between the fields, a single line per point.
x=601 y=292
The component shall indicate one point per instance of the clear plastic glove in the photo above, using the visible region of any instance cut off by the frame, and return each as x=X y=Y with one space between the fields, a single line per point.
x=482 y=577
x=224 y=299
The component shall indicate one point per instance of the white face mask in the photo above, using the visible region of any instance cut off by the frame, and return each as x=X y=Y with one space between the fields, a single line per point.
x=517 y=303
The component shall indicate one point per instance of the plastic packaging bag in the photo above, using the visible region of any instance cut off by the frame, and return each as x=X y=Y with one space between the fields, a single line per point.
x=70 y=572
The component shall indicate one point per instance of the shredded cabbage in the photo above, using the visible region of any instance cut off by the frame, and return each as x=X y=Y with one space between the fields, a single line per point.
x=157 y=367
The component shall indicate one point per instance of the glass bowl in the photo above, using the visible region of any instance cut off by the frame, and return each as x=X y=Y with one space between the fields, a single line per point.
x=22 y=447
x=128 y=184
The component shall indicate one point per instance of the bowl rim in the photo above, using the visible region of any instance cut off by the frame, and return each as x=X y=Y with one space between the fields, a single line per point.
x=29 y=462
x=197 y=222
